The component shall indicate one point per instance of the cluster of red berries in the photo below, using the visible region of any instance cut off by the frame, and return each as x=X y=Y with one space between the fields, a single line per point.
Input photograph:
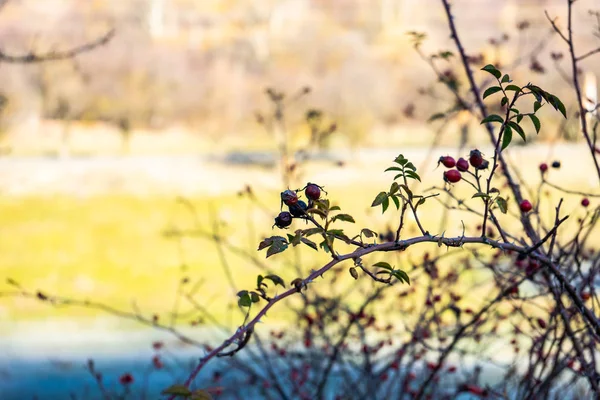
x=476 y=160
x=297 y=208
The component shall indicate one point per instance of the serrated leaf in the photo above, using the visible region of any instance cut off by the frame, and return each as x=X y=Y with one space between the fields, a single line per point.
x=384 y=265
x=492 y=118
x=343 y=217
x=368 y=233
x=492 y=70
x=401 y=276
x=379 y=199
x=507 y=137
x=396 y=202
x=491 y=90
x=518 y=129
x=325 y=246
x=310 y=243
x=385 y=204
x=312 y=231
x=269 y=241
x=502 y=204
x=513 y=88
x=275 y=279
x=536 y=123
x=177 y=390
x=276 y=247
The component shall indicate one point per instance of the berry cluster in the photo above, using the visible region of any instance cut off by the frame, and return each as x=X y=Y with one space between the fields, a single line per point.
x=297 y=208
x=454 y=175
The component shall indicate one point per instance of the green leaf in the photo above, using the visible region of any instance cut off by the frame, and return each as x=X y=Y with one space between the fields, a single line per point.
x=492 y=70
x=502 y=204
x=513 y=88
x=368 y=233
x=504 y=101
x=507 y=137
x=536 y=122
x=412 y=175
x=254 y=297
x=312 y=231
x=519 y=118
x=343 y=217
x=259 y=281
x=353 y=272
x=515 y=110
x=396 y=202
x=325 y=246
x=480 y=194
x=436 y=116
x=492 y=118
x=276 y=247
x=410 y=165
x=269 y=241
x=177 y=390
x=519 y=130
x=491 y=90
x=379 y=199
x=244 y=299
x=275 y=279
x=505 y=78
x=421 y=201
x=394 y=169
x=536 y=106
x=309 y=243
x=385 y=204
x=335 y=208
x=394 y=188
x=557 y=104
x=401 y=160
x=384 y=265
x=401 y=276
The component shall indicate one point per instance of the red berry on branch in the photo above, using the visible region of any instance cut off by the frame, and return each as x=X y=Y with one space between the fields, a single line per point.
x=289 y=197
x=525 y=206
x=543 y=167
x=462 y=165
x=447 y=161
x=126 y=379
x=585 y=202
x=475 y=158
x=452 y=176
x=313 y=191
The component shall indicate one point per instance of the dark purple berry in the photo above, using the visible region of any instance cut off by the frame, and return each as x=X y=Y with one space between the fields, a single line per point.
x=283 y=220
x=289 y=197
x=313 y=192
x=299 y=209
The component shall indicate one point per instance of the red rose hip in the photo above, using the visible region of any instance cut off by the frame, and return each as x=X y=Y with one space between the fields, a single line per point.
x=313 y=191
x=585 y=202
x=543 y=167
x=525 y=206
x=447 y=161
x=452 y=176
x=462 y=165
x=475 y=158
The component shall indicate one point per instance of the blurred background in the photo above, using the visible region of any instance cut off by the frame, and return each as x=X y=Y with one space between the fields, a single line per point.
x=170 y=124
